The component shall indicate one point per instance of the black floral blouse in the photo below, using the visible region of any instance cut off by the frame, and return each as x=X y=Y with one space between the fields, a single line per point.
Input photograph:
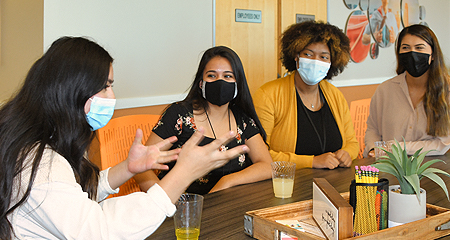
x=178 y=121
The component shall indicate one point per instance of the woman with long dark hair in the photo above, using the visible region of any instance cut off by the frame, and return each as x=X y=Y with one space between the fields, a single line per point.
x=415 y=104
x=219 y=101
x=49 y=189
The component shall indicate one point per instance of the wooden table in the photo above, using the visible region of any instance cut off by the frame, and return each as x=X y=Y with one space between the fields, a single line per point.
x=223 y=211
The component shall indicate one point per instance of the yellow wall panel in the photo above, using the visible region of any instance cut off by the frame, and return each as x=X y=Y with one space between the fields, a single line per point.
x=255 y=43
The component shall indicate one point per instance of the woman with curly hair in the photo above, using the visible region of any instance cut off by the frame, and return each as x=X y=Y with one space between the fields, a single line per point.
x=306 y=118
x=414 y=105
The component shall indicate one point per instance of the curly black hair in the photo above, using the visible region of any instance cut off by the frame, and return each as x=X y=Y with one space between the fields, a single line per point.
x=300 y=35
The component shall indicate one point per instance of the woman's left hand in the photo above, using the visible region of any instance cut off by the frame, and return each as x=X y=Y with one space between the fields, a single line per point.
x=142 y=158
x=344 y=158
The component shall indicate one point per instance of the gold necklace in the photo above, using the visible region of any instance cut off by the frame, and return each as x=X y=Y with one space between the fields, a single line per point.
x=312 y=105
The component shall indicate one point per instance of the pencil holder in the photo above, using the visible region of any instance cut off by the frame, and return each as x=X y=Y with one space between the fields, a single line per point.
x=370 y=206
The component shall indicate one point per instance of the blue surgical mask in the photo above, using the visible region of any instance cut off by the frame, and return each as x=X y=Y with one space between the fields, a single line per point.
x=101 y=112
x=312 y=71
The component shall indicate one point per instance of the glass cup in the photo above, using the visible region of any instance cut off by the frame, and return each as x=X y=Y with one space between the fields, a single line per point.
x=283 y=174
x=188 y=216
x=382 y=144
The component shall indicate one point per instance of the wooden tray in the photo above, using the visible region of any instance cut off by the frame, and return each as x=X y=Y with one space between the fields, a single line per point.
x=261 y=224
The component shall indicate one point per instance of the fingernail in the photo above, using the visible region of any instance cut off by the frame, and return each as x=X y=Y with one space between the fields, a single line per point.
x=245 y=148
x=232 y=133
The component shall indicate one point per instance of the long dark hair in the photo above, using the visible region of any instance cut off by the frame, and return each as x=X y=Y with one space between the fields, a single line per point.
x=48 y=112
x=436 y=97
x=243 y=99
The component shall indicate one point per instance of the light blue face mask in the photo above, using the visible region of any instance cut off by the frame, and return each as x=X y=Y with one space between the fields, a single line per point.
x=312 y=71
x=101 y=112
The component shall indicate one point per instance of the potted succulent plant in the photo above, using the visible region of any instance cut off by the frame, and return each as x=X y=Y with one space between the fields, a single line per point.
x=408 y=198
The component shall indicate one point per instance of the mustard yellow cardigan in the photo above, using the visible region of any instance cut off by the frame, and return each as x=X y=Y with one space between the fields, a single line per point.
x=276 y=106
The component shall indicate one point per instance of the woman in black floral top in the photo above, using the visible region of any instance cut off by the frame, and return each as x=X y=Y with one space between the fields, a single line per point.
x=219 y=102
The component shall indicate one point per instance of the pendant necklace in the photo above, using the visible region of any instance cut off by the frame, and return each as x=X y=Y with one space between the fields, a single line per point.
x=322 y=141
x=222 y=148
x=312 y=105
x=229 y=123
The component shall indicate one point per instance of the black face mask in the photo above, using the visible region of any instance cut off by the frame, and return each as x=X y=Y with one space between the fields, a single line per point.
x=415 y=63
x=219 y=92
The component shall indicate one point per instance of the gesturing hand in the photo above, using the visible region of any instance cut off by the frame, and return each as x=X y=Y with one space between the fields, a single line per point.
x=198 y=161
x=142 y=158
x=195 y=161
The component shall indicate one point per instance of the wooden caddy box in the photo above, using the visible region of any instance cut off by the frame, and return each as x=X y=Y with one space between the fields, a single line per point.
x=262 y=224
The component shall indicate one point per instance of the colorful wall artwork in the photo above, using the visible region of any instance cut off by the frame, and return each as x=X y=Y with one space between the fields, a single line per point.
x=375 y=24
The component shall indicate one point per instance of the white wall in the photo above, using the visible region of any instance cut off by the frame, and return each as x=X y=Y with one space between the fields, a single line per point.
x=376 y=71
x=156 y=44
x=438 y=19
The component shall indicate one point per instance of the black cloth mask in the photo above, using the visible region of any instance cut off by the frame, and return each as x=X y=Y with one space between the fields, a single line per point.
x=219 y=92
x=415 y=63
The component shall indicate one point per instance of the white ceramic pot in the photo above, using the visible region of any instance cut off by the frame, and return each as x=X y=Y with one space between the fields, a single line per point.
x=405 y=208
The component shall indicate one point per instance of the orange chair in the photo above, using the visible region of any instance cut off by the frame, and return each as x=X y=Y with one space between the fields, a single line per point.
x=115 y=141
x=359 y=110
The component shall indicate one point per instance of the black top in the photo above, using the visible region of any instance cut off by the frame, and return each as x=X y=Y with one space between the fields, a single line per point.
x=317 y=132
x=178 y=121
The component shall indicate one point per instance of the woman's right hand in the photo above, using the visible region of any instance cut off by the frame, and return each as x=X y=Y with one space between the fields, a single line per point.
x=326 y=160
x=201 y=160
x=194 y=162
